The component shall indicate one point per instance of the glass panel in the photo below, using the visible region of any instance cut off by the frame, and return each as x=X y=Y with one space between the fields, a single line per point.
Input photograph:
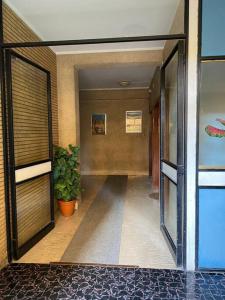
x=33 y=207
x=170 y=208
x=170 y=122
x=212 y=115
x=30 y=113
x=211 y=228
x=213 y=24
x=91 y=19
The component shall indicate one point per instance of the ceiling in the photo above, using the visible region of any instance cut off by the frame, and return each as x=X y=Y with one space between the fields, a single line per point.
x=90 y=19
x=138 y=75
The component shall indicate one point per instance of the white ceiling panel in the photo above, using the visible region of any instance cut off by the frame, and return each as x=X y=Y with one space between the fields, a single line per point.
x=91 y=19
x=138 y=75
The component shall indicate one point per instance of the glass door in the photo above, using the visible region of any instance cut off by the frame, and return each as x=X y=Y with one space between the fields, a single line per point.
x=172 y=151
x=30 y=151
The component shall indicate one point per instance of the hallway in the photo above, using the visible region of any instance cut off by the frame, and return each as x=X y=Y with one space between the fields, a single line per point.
x=117 y=223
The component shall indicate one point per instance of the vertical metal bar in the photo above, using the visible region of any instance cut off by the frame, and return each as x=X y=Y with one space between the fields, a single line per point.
x=4 y=135
x=180 y=151
x=162 y=124
x=50 y=140
x=5 y=155
x=11 y=152
x=49 y=115
x=185 y=134
x=186 y=17
x=1 y=24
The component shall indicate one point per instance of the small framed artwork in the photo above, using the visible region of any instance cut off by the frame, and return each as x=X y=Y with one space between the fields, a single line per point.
x=134 y=121
x=98 y=124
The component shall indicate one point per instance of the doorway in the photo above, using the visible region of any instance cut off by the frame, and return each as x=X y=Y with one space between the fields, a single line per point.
x=141 y=193
x=117 y=159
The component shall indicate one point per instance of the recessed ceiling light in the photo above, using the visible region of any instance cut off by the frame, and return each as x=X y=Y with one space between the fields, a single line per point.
x=124 y=83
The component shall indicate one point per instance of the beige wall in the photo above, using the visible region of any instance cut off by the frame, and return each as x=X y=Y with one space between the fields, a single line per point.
x=67 y=85
x=117 y=152
x=16 y=30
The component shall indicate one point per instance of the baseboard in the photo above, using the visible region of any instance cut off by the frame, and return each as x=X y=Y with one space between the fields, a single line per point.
x=116 y=172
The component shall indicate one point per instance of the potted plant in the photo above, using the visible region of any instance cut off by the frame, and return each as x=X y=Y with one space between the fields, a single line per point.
x=67 y=185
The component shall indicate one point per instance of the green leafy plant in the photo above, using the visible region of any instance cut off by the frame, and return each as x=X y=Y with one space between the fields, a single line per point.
x=66 y=175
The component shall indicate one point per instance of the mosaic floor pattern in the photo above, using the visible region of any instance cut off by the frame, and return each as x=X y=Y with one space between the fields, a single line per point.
x=35 y=281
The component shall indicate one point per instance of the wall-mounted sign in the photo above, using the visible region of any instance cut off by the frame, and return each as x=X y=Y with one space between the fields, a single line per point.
x=134 y=121
x=98 y=124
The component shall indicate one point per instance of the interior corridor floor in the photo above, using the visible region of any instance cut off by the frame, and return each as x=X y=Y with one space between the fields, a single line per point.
x=117 y=223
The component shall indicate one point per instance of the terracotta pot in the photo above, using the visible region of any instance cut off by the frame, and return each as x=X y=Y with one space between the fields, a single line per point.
x=66 y=207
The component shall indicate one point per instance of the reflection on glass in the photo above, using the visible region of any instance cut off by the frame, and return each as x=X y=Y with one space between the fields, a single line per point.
x=170 y=208
x=212 y=115
x=170 y=127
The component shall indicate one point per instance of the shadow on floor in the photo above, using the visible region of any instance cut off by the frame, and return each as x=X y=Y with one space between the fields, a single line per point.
x=97 y=239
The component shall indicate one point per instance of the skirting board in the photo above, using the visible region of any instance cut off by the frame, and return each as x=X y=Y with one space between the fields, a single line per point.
x=117 y=172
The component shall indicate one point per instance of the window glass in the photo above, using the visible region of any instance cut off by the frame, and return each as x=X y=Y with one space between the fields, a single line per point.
x=170 y=122
x=212 y=115
x=170 y=208
x=213 y=24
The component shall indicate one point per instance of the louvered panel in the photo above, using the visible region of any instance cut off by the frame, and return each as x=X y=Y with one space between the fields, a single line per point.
x=15 y=29
x=33 y=207
x=30 y=113
x=43 y=56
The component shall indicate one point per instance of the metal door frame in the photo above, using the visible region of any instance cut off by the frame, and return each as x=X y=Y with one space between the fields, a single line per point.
x=17 y=251
x=177 y=251
x=3 y=48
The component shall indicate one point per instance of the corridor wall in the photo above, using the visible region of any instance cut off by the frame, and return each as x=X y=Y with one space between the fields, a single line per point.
x=117 y=152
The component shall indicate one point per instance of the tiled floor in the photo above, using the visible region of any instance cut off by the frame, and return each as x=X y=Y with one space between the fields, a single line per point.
x=33 y=281
x=141 y=241
x=98 y=237
x=52 y=247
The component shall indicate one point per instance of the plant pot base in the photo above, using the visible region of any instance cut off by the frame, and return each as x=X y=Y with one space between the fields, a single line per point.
x=66 y=207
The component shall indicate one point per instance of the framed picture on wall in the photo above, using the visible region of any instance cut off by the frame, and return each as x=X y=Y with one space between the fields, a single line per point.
x=134 y=121
x=98 y=124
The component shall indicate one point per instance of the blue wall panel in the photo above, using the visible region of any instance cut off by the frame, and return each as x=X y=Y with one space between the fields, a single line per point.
x=213 y=27
x=212 y=228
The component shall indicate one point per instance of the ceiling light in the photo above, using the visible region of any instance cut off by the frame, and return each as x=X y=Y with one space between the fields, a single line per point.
x=124 y=83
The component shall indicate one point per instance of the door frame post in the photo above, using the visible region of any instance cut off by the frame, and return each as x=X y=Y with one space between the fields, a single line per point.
x=191 y=134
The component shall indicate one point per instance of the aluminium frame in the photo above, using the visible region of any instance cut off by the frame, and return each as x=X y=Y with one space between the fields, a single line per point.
x=4 y=46
x=178 y=249
x=17 y=250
